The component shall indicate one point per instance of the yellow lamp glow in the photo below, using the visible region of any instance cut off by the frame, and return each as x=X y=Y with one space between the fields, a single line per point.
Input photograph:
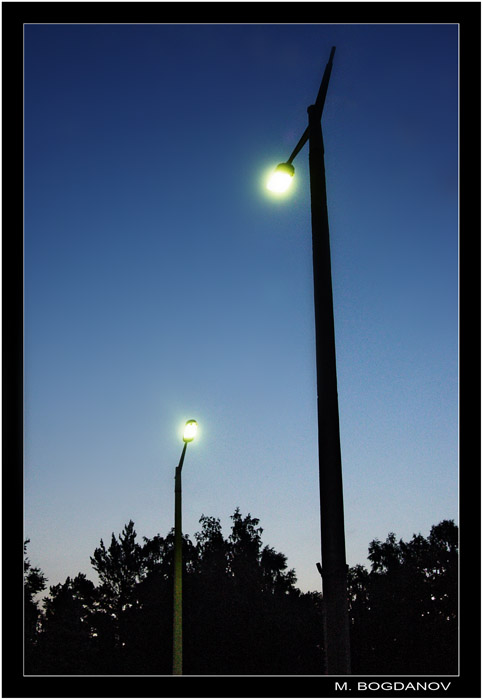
x=281 y=179
x=190 y=430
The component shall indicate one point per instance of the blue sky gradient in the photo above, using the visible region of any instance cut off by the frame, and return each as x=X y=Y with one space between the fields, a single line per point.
x=163 y=282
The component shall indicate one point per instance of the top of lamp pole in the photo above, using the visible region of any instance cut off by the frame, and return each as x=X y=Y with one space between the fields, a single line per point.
x=320 y=101
x=319 y=104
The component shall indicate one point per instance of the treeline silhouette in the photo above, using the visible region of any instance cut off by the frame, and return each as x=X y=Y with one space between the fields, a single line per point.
x=242 y=613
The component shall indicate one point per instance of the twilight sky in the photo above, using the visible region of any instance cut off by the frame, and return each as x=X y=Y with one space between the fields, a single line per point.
x=163 y=282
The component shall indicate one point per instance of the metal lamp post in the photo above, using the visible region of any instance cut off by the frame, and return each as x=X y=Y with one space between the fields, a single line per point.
x=188 y=435
x=334 y=567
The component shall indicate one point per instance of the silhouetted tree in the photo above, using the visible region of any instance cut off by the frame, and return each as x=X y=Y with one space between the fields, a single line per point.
x=34 y=582
x=242 y=613
x=120 y=568
x=68 y=639
x=404 y=611
x=245 y=613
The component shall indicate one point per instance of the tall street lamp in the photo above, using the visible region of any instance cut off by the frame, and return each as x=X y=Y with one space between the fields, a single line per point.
x=334 y=567
x=189 y=433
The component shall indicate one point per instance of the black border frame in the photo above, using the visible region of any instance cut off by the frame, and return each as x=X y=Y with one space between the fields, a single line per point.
x=14 y=15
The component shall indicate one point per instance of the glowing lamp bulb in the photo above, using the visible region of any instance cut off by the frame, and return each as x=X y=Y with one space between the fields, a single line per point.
x=190 y=430
x=281 y=179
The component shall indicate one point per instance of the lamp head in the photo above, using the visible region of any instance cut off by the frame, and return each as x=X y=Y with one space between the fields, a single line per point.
x=281 y=178
x=190 y=430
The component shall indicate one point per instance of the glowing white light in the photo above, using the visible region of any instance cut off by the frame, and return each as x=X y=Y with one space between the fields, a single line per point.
x=281 y=179
x=190 y=430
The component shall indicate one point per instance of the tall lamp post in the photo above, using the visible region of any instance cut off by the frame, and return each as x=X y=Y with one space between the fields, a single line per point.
x=188 y=435
x=334 y=567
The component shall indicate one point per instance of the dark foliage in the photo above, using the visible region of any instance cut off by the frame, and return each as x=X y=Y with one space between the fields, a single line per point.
x=404 y=610
x=242 y=614
x=34 y=583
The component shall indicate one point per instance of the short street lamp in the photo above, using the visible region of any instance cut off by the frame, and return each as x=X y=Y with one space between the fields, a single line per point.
x=189 y=433
x=334 y=567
